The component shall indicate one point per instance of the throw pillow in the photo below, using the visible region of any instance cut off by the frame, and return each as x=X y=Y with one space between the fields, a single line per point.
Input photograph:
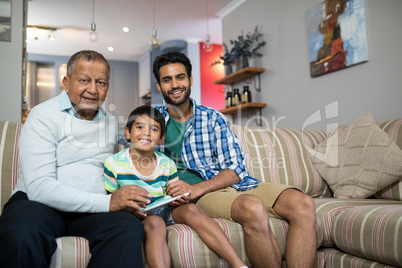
x=358 y=160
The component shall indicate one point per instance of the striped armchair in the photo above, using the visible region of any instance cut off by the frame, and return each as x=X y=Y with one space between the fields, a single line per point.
x=350 y=232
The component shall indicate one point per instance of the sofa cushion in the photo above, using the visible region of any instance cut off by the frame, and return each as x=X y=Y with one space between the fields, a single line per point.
x=371 y=232
x=71 y=252
x=279 y=156
x=327 y=209
x=394 y=130
x=190 y=250
x=334 y=258
x=359 y=160
x=9 y=135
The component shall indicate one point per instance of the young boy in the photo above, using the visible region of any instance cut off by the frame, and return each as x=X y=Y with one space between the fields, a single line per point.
x=141 y=165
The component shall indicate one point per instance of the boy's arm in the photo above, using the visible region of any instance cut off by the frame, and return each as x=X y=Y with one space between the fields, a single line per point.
x=123 y=197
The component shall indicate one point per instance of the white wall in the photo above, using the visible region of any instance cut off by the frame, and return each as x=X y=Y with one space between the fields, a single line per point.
x=288 y=89
x=11 y=67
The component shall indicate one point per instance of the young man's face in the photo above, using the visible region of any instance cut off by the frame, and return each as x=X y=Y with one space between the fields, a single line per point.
x=87 y=87
x=145 y=134
x=175 y=85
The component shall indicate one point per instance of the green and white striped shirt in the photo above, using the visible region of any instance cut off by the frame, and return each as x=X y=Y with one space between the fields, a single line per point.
x=119 y=170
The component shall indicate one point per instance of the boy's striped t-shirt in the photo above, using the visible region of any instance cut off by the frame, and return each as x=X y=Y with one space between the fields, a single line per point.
x=119 y=170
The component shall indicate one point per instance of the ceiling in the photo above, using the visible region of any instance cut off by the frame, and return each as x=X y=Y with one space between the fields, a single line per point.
x=174 y=19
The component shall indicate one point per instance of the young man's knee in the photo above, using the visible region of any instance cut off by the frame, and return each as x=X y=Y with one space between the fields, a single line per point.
x=250 y=208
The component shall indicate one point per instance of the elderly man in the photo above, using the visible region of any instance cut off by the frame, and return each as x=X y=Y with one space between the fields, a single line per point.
x=63 y=145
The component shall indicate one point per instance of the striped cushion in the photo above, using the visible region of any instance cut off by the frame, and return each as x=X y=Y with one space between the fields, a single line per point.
x=188 y=250
x=394 y=130
x=334 y=258
x=328 y=209
x=71 y=252
x=9 y=135
x=279 y=156
x=371 y=232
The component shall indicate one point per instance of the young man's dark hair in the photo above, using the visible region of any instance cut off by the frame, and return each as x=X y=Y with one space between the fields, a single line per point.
x=149 y=111
x=169 y=58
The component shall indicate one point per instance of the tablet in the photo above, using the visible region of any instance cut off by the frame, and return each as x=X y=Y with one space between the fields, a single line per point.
x=163 y=202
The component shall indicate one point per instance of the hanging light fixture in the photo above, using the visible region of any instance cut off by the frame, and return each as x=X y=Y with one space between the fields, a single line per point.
x=51 y=36
x=154 y=42
x=207 y=45
x=93 y=35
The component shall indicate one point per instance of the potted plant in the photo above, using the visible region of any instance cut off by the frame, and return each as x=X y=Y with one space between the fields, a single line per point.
x=248 y=46
x=227 y=59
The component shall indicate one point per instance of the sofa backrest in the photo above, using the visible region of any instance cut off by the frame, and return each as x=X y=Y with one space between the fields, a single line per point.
x=279 y=156
x=394 y=130
x=272 y=155
x=9 y=135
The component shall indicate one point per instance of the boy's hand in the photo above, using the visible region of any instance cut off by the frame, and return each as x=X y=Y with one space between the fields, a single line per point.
x=123 y=199
x=183 y=199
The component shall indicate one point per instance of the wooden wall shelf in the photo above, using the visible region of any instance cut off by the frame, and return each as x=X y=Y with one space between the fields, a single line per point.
x=243 y=107
x=240 y=75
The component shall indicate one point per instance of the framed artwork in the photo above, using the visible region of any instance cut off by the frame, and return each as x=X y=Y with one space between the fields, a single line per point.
x=337 y=35
x=5 y=20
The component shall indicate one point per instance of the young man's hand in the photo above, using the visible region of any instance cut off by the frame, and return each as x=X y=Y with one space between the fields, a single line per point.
x=180 y=187
x=123 y=199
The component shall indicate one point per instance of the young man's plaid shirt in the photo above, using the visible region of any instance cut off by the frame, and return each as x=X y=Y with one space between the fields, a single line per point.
x=210 y=146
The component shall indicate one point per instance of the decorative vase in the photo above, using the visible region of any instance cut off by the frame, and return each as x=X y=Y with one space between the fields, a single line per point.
x=228 y=69
x=244 y=62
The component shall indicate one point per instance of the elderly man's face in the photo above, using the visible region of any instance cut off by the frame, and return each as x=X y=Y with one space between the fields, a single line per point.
x=87 y=87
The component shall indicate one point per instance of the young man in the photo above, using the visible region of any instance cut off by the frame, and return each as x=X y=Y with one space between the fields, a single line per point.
x=212 y=166
x=60 y=191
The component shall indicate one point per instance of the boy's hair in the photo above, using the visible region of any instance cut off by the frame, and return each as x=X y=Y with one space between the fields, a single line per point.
x=86 y=55
x=169 y=58
x=149 y=111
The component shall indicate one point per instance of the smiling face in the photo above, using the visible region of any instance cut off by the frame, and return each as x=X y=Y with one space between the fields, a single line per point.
x=175 y=85
x=145 y=134
x=87 y=87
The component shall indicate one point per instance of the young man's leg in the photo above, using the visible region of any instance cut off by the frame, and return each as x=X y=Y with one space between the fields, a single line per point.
x=115 y=238
x=299 y=210
x=27 y=233
x=249 y=211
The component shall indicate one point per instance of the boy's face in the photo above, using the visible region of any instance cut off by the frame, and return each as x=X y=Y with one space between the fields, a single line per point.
x=145 y=134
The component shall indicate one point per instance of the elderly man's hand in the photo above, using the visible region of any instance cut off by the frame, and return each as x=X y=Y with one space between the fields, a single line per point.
x=129 y=198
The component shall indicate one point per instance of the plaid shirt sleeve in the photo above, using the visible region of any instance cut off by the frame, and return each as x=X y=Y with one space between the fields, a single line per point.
x=230 y=156
x=210 y=146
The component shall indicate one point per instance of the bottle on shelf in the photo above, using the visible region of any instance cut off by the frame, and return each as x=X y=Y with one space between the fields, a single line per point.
x=236 y=97
x=228 y=100
x=246 y=95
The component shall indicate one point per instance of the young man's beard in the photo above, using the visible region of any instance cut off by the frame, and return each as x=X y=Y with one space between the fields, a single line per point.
x=170 y=101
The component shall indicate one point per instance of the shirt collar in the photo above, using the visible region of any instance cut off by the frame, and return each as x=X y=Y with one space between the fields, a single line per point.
x=166 y=113
x=65 y=105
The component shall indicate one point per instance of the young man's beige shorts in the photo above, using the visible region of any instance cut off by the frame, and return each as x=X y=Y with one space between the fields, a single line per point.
x=218 y=204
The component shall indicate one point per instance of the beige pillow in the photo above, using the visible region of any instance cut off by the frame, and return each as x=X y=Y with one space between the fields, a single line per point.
x=359 y=160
